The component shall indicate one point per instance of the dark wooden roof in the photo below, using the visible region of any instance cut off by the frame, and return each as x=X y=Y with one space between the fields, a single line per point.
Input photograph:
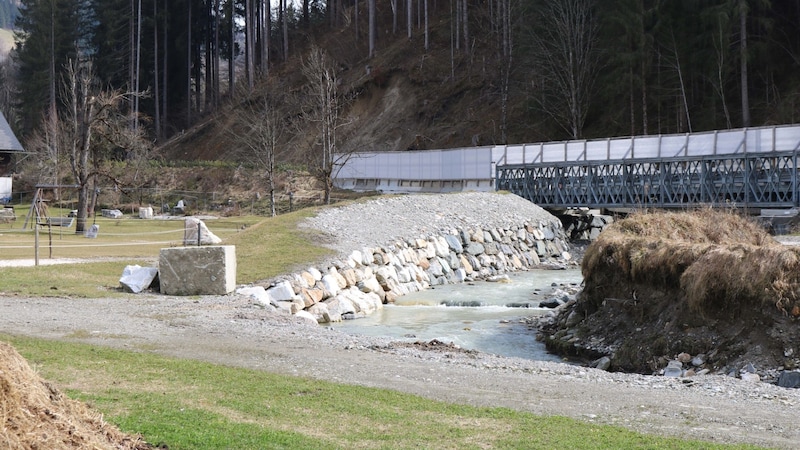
x=8 y=142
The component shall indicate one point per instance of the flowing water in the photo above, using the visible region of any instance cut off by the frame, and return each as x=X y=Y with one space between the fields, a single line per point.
x=473 y=316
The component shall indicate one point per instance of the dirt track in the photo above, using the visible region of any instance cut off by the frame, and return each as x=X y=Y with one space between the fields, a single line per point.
x=231 y=330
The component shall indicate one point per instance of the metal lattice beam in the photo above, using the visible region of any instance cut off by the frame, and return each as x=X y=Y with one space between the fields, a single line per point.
x=753 y=180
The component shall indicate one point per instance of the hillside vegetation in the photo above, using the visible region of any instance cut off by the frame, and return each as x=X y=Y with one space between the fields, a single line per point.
x=449 y=75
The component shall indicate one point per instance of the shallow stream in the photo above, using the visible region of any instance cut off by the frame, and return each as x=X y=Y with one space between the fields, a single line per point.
x=473 y=316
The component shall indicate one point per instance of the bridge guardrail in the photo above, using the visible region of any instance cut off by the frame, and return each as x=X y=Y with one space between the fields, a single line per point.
x=474 y=168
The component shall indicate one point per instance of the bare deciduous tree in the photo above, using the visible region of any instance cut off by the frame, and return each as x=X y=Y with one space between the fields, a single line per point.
x=260 y=132
x=44 y=143
x=323 y=109
x=93 y=120
x=566 y=60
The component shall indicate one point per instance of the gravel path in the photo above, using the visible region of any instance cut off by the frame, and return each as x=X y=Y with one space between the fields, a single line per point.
x=233 y=330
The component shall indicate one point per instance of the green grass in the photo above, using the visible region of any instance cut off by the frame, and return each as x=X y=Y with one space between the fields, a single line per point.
x=265 y=247
x=194 y=405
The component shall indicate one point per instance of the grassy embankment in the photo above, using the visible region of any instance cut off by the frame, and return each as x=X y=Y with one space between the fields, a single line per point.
x=194 y=405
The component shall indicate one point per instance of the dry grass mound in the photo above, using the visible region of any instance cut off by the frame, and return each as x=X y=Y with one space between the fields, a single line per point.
x=717 y=259
x=706 y=283
x=36 y=415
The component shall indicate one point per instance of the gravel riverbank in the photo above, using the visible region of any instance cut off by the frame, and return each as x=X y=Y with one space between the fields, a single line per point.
x=234 y=330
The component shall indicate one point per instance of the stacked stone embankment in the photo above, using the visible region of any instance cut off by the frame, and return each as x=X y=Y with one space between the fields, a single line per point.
x=363 y=280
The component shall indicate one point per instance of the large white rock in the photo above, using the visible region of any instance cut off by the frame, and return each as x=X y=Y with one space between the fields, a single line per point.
x=306 y=317
x=281 y=292
x=370 y=284
x=257 y=293
x=315 y=273
x=355 y=259
x=404 y=275
x=192 y=226
x=367 y=256
x=321 y=312
x=146 y=212
x=331 y=284
x=363 y=303
x=136 y=278
x=339 y=305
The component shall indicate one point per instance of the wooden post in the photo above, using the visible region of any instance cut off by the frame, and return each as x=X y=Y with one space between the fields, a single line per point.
x=36 y=243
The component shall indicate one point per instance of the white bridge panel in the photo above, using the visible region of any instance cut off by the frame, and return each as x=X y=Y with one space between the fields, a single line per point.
x=474 y=167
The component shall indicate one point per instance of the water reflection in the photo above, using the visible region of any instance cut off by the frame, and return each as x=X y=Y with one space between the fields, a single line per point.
x=481 y=321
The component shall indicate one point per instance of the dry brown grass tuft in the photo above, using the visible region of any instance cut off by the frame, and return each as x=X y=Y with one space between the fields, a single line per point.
x=718 y=259
x=36 y=415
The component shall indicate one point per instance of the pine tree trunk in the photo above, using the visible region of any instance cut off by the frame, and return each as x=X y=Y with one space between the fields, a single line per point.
x=372 y=28
x=156 y=91
x=409 y=16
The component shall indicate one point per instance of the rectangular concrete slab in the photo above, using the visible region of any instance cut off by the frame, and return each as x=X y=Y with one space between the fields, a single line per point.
x=209 y=270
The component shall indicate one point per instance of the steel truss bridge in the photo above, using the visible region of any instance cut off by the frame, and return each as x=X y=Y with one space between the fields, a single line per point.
x=748 y=168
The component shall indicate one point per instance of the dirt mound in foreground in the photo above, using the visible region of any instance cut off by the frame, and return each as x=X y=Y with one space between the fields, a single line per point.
x=706 y=284
x=36 y=415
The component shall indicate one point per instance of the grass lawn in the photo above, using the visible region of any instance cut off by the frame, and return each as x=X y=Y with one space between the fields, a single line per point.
x=265 y=247
x=188 y=404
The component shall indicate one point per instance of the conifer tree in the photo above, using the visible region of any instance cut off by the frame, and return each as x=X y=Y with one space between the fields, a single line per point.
x=48 y=35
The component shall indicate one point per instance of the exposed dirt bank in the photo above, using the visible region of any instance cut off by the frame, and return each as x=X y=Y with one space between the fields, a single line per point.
x=708 y=285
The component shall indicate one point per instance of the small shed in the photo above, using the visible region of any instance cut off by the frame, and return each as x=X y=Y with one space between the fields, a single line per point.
x=9 y=144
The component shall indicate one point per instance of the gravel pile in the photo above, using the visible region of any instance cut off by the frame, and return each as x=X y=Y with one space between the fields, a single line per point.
x=388 y=219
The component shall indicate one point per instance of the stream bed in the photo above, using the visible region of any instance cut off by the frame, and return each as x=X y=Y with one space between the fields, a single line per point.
x=480 y=315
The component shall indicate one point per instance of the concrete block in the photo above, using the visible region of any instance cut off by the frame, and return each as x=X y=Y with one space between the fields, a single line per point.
x=207 y=270
x=146 y=212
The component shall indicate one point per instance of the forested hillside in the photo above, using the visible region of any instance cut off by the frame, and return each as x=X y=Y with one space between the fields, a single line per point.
x=221 y=79
x=538 y=69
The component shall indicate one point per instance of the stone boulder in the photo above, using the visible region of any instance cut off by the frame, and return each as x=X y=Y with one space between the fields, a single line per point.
x=146 y=212
x=197 y=270
x=257 y=293
x=136 y=278
x=191 y=227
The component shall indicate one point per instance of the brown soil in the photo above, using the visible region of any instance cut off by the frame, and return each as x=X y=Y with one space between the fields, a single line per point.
x=704 y=283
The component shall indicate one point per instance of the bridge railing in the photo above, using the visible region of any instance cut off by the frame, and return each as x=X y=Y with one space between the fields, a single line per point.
x=419 y=171
x=739 y=141
x=474 y=168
